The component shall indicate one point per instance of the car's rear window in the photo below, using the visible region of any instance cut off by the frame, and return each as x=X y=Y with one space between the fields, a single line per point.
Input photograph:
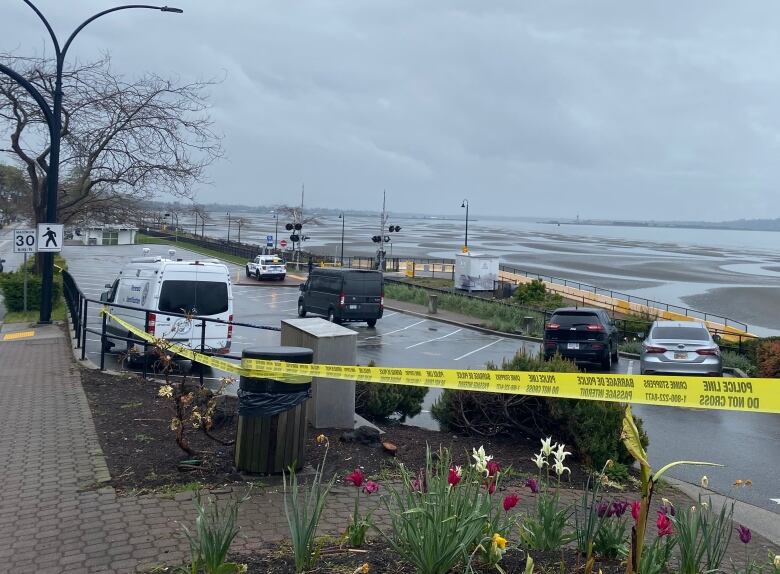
x=198 y=297
x=363 y=284
x=568 y=320
x=680 y=333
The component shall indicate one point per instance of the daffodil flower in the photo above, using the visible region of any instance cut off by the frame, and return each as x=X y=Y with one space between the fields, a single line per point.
x=165 y=391
x=499 y=541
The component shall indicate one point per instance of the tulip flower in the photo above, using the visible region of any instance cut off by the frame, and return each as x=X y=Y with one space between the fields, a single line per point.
x=601 y=509
x=559 y=468
x=619 y=507
x=481 y=460
x=491 y=487
x=539 y=460
x=776 y=562
x=635 y=508
x=533 y=485
x=547 y=446
x=493 y=468
x=371 y=487
x=510 y=501
x=455 y=475
x=744 y=534
x=356 y=477
x=664 y=524
x=561 y=453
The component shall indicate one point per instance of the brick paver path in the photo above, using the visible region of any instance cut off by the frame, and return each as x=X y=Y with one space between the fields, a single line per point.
x=57 y=515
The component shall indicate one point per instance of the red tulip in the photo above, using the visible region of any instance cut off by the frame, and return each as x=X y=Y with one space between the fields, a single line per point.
x=371 y=487
x=635 y=507
x=744 y=534
x=491 y=486
x=532 y=484
x=356 y=477
x=493 y=468
x=510 y=501
x=453 y=478
x=664 y=524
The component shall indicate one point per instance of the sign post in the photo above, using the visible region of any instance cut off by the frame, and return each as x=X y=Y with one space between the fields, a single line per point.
x=25 y=241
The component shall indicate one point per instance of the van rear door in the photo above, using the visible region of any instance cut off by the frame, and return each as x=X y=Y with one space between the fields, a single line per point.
x=363 y=291
x=201 y=294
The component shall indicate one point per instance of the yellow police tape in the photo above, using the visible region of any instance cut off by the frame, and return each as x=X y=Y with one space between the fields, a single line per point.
x=726 y=393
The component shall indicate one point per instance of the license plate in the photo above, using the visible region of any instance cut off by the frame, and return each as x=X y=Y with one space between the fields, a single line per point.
x=353 y=306
x=681 y=355
x=573 y=346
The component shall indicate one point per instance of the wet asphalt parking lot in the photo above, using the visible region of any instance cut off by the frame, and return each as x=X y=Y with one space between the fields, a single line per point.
x=748 y=443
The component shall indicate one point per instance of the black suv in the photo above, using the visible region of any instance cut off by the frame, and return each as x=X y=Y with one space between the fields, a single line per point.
x=583 y=335
x=343 y=295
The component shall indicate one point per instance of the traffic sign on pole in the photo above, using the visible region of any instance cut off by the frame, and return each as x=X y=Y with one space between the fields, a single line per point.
x=50 y=237
x=283 y=243
x=24 y=241
x=269 y=240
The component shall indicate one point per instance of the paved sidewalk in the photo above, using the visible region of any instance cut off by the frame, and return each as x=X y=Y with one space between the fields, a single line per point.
x=57 y=515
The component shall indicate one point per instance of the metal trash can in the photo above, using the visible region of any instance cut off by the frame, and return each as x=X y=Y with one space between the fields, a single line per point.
x=527 y=324
x=272 y=415
x=433 y=303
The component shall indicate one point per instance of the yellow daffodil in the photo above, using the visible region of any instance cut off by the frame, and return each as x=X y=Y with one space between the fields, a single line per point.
x=322 y=439
x=499 y=541
x=165 y=391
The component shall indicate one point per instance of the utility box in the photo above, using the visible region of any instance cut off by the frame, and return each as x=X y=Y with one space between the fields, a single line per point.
x=475 y=272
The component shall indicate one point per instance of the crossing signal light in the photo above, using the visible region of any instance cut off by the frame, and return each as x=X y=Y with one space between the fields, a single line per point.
x=387 y=238
x=298 y=226
x=294 y=238
x=288 y=227
x=395 y=228
x=376 y=239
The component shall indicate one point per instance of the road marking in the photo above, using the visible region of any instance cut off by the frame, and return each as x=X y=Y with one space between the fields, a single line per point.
x=480 y=349
x=390 y=314
x=436 y=339
x=630 y=370
x=396 y=331
x=18 y=335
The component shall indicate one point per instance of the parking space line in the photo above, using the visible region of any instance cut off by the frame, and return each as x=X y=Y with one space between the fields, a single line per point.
x=396 y=331
x=436 y=339
x=389 y=314
x=478 y=350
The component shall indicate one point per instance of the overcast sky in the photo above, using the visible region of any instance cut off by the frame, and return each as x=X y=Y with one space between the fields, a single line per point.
x=606 y=109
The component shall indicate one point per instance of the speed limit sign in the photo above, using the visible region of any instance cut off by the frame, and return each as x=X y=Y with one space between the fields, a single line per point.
x=25 y=241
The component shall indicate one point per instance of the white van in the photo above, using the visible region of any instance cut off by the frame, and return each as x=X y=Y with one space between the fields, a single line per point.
x=201 y=288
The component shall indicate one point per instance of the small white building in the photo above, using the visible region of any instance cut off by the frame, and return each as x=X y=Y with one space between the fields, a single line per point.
x=105 y=235
x=475 y=272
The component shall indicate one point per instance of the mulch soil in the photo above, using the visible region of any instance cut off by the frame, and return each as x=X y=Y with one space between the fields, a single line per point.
x=381 y=558
x=133 y=425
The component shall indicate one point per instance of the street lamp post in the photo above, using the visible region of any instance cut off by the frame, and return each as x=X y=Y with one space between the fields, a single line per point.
x=276 y=228
x=466 y=242
x=341 y=259
x=228 y=216
x=53 y=117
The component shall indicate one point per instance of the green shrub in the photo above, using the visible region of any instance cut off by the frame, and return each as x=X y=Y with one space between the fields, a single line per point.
x=617 y=472
x=592 y=427
x=377 y=401
x=535 y=294
x=735 y=360
x=12 y=286
x=634 y=347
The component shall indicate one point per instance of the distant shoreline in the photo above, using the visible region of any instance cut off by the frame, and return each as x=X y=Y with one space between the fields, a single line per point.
x=714 y=226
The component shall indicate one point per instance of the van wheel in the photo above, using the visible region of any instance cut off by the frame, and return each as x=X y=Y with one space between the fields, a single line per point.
x=301 y=309
x=371 y=322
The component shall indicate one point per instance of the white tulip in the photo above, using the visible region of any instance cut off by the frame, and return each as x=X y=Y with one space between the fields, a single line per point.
x=547 y=446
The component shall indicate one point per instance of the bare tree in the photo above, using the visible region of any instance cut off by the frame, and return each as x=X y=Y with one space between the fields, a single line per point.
x=14 y=192
x=123 y=140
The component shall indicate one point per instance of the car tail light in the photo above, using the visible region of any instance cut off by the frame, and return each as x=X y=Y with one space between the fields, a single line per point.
x=550 y=344
x=715 y=352
x=597 y=345
x=230 y=327
x=151 y=322
x=595 y=327
x=552 y=326
x=653 y=349
x=382 y=301
x=342 y=300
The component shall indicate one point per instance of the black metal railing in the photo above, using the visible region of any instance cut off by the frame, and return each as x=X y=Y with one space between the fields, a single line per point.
x=79 y=309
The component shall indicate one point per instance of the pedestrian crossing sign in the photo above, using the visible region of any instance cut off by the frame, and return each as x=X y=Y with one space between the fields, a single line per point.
x=50 y=237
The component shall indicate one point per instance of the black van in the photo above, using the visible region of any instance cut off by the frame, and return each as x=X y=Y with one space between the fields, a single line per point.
x=343 y=295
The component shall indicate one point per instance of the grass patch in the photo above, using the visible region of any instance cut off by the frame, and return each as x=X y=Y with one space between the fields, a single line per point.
x=171 y=490
x=57 y=314
x=498 y=316
x=142 y=239
x=435 y=282
x=134 y=405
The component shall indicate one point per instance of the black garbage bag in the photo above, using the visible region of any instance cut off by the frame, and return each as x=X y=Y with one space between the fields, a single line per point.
x=252 y=404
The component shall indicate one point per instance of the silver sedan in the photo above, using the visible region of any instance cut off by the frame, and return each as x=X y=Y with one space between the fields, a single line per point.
x=680 y=347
